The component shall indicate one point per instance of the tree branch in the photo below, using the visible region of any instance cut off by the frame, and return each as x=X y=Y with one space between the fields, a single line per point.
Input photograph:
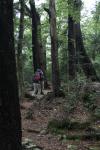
x=48 y=11
x=28 y=11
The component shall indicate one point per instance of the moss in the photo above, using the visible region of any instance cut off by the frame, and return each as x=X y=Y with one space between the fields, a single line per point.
x=85 y=136
x=66 y=124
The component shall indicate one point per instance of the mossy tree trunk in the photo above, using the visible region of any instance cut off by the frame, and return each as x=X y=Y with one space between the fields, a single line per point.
x=54 y=49
x=76 y=49
x=84 y=59
x=19 y=50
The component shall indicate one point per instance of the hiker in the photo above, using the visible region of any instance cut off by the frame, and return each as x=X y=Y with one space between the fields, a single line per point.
x=38 y=82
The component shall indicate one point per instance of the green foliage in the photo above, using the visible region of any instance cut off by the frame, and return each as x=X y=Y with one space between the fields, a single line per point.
x=28 y=72
x=29 y=114
x=73 y=94
x=72 y=147
x=91 y=30
x=97 y=113
x=55 y=125
x=96 y=63
x=74 y=8
x=28 y=144
x=89 y=100
x=72 y=100
x=85 y=136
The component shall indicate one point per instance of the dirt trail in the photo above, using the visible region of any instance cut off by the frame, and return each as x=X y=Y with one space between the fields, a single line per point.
x=35 y=128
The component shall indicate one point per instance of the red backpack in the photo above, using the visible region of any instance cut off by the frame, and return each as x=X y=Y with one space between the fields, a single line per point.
x=37 y=76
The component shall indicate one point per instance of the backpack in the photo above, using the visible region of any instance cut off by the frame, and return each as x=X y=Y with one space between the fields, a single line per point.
x=37 y=76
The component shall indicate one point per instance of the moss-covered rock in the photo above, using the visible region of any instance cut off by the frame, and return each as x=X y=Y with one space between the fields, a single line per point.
x=27 y=144
x=67 y=124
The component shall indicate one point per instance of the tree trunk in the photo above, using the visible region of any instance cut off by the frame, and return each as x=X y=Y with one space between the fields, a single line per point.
x=37 y=48
x=54 y=49
x=84 y=60
x=45 y=63
x=71 y=49
x=19 y=51
x=10 y=118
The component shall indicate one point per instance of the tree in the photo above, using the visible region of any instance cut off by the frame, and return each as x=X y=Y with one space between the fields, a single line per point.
x=19 y=50
x=61 y=15
x=76 y=47
x=10 y=118
x=37 y=48
x=71 y=43
x=84 y=59
x=96 y=39
x=54 y=49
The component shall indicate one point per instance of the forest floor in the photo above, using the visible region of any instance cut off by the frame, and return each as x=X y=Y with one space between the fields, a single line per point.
x=38 y=111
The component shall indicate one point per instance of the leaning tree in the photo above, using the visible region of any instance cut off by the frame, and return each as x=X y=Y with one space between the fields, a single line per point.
x=77 y=52
x=84 y=59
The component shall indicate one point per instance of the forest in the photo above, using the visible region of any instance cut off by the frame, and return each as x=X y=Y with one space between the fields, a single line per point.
x=60 y=41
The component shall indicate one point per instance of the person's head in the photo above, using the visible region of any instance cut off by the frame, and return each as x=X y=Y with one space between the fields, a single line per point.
x=38 y=70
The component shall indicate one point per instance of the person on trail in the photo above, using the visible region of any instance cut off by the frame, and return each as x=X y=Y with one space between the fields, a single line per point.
x=38 y=82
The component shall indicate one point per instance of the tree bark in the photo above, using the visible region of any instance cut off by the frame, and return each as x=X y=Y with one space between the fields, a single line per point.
x=54 y=49
x=45 y=63
x=37 y=48
x=19 y=51
x=71 y=49
x=84 y=60
x=10 y=117
x=76 y=45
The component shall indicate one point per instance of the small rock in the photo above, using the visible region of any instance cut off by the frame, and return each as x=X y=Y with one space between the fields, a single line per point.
x=43 y=132
x=37 y=149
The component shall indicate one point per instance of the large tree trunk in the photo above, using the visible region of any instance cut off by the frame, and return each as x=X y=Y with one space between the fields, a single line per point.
x=19 y=51
x=54 y=49
x=10 y=118
x=37 y=48
x=84 y=59
x=71 y=49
